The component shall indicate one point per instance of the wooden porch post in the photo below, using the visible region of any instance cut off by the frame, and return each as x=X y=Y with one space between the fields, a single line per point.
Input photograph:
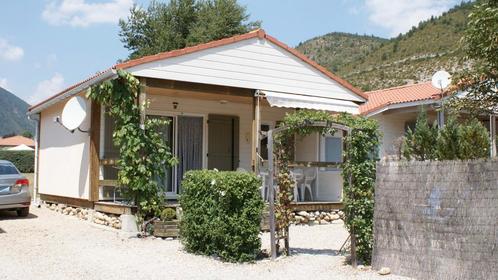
x=94 y=151
x=142 y=99
x=273 y=246
x=256 y=127
x=492 y=135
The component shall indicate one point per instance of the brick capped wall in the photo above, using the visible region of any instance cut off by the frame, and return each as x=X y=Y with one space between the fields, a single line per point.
x=437 y=220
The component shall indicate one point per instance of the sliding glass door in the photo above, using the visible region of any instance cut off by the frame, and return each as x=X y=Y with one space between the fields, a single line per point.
x=185 y=137
x=190 y=145
x=168 y=133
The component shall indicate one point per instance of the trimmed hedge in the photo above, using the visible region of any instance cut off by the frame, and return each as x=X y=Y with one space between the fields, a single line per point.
x=23 y=160
x=221 y=214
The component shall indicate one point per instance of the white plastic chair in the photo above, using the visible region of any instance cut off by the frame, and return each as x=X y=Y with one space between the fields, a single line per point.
x=294 y=178
x=309 y=178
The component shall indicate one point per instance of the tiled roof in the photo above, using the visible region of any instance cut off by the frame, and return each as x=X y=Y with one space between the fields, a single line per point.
x=380 y=99
x=259 y=33
x=16 y=141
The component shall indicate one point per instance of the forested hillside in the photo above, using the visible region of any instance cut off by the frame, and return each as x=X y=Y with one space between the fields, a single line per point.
x=13 y=118
x=373 y=63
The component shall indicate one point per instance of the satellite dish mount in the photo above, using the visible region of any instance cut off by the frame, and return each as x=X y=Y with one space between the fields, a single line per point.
x=441 y=80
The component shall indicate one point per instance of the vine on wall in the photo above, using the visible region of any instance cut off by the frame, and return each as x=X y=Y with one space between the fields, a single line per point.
x=143 y=153
x=359 y=165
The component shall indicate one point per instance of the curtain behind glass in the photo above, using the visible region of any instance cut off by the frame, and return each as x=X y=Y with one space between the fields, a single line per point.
x=190 y=132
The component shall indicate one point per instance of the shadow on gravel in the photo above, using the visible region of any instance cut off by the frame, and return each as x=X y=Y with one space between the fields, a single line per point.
x=311 y=251
x=12 y=215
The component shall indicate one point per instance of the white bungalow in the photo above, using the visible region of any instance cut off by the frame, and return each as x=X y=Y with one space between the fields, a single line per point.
x=218 y=96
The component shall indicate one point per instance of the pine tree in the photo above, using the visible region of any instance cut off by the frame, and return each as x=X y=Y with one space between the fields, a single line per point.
x=421 y=143
x=448 y=141
x=474 y=140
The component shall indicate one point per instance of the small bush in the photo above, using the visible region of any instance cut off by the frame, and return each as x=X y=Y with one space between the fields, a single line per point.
x=23 y=160
x=421 y=143
x=466 y=140
x=221 y=214
x=475 y=142
x=448 y=141
x=168 y=214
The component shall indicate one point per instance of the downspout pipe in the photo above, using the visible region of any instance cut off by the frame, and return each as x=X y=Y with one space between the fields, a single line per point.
x=36 y=118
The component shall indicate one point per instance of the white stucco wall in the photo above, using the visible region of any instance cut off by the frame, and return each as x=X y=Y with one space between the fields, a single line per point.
x=64 y=156
x=392 y=126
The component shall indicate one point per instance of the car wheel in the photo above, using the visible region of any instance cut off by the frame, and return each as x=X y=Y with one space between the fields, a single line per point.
x=23 y=212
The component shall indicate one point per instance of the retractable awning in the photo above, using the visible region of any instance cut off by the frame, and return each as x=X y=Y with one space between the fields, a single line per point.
x=287 y=100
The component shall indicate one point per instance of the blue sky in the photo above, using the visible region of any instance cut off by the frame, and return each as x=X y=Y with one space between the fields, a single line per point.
x=47 y=45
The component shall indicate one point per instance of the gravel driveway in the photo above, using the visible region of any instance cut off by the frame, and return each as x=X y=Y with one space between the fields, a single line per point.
x=49 y=245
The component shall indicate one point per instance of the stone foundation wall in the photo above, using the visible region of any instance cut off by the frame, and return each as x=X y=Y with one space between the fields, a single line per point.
x=437 y=220
x=86 y=214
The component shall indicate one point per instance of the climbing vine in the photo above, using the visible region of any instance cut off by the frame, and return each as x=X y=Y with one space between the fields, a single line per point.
x=359 y=166
x=142 y=151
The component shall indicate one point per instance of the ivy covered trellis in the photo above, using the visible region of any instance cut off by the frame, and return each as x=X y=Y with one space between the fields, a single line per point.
x=142 y=151
x=358 y=171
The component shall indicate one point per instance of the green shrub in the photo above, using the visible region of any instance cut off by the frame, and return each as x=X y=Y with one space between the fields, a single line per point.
x=421 y=143
x=474 y=140
x=23 y=160
x=448 y=141
x=467 y=140
x=221 y=214
x=168 y=214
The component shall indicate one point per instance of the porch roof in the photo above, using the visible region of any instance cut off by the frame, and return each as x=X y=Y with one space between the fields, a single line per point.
x=132 y=65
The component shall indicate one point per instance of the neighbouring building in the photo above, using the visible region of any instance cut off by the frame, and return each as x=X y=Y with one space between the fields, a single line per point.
x=17 y=141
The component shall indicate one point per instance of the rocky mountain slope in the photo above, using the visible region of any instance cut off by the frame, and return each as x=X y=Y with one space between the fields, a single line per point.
x=13 y=118
x=373 y=63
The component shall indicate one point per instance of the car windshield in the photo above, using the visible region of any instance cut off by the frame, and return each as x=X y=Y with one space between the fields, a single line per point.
x=7 y=169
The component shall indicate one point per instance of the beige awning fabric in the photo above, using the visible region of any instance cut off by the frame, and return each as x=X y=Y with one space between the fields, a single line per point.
x=288 y=100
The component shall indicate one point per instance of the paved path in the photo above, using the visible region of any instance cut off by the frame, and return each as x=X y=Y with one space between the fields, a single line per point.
x=49 y=245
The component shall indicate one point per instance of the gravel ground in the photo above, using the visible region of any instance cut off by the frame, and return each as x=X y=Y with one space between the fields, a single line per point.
x=48 y=245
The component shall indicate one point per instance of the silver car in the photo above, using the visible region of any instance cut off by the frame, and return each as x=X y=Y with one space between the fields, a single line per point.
x=14 y=189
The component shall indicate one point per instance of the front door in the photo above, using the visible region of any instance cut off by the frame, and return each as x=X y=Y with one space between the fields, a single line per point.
x=223 y=144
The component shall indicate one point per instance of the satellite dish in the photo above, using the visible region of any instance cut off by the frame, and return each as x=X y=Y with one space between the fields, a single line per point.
x=74 y=113
x=441 y=79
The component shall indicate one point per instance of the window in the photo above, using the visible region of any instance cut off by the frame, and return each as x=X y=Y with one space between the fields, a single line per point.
x=410 y=125
x=7 y=169
x=264 y=142
x=331 y=149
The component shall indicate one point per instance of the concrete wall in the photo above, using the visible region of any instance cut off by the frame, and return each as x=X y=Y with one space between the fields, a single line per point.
x=64 y=156
x=437 y=220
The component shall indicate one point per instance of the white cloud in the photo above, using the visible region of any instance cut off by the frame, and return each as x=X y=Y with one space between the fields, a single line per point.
x=3 y=83
x=10 y=52
x=47 y=88
x=399 y=16
x=79 y=13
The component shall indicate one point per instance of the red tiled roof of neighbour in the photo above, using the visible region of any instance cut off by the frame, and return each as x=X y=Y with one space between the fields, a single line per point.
x=16 y=141
x=258 y=33
x=382 y=98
